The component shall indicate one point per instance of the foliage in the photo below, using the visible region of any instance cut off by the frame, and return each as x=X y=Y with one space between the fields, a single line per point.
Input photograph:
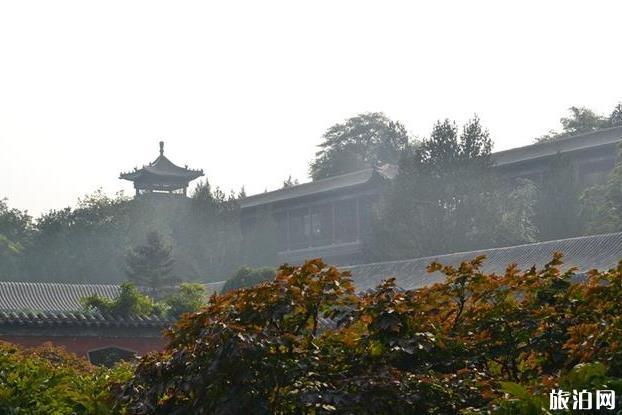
x=601 y=204
x=305 y=343
x=446 y=198
x=583 y=120
x=289 y=182
x=616 y=115
x=558 y=202
x=363 y=141
x=150 y=265
x=89 y=243
x=15 y=236
x=46 y=380
x=187 y=299
x=129 y=302
x=247 y=277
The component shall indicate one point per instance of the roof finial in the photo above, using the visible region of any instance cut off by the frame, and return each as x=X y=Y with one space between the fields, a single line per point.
x=161 y=148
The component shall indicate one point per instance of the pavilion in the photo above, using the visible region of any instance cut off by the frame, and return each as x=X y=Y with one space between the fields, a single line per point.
x=161 y=176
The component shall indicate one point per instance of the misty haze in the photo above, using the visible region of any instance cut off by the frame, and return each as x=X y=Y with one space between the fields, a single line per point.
x=288 y=208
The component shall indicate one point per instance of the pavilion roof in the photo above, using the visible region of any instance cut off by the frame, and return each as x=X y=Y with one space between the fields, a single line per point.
x=162 y=168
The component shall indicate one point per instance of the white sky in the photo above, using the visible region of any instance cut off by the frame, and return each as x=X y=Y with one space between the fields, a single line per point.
x=245 y=90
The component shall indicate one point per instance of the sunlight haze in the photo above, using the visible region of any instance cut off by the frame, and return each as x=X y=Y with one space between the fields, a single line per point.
x=244 y=90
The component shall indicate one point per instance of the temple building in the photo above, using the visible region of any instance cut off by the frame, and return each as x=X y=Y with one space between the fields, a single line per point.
x=330 y=218
x=161 y=176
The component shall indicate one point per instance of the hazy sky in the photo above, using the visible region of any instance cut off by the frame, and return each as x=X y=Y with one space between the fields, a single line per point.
x=245 y=90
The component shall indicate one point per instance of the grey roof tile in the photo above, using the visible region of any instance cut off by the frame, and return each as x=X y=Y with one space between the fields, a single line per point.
x=58 y=304
x=585 y=253
x=320 y=186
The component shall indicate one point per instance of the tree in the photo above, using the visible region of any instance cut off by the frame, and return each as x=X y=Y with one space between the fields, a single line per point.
x=583 y=120
x=289 y=182
x=15 y=236
x=247 y=277
x=87 y=242
x=601 y=204
x=361 y=142
x=447 y=199
x=305 y=343
x=188 y=298
x=130 y=302
x=616 y=116
x=150 y=265
x=558 y=207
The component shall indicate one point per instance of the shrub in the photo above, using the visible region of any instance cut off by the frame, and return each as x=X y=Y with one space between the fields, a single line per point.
x=188 y=298
x=304 y=343
x=46 y=380
x=247 y=277
x=129 y=302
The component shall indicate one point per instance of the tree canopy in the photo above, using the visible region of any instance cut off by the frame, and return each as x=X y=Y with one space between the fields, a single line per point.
x=151 y=265
x=446 y=198
x=363 y=141
x=584 y=120
x=305 y=343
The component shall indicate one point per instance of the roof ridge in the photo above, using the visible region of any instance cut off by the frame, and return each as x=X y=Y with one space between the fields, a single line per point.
x=497 y=249
x=561 y=139
x=324 y=180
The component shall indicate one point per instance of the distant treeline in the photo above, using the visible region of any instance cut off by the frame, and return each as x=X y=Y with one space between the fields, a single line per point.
x=89 y=243
x=446 y=198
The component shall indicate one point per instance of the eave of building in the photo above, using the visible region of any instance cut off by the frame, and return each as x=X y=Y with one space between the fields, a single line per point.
x=577 y=143
x=161 y=168
x=331 y=184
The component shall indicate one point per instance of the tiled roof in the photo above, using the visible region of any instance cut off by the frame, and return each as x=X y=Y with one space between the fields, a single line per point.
x=29 y=303
x=44 y=296
x=320 y=186
x=577 y=142
x=585 y=253
x=78 y=319
x=162 y=168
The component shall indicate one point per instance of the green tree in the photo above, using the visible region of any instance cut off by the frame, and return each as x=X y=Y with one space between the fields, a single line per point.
x=558 y=207
x=583 y=120
x=86 y=243
x=615 y=118
x=247 y=277
x=289 y=182
x=130 y=302
x=601 y=204
x=447 y=199
x=15 y=236
x=187 y=299
x=150 y=265
x=360 y=142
